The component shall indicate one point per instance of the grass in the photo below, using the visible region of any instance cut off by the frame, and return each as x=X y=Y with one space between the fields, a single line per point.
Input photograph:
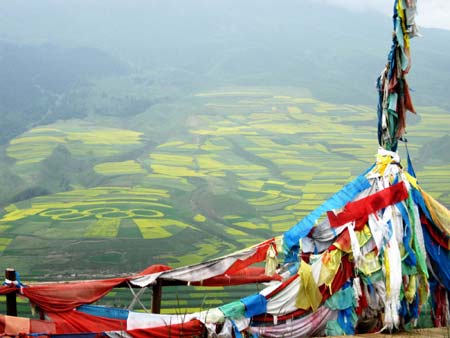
x=159 y=228
x=199 y=218
x=80 y=138
x=104 y=228
x=105 y=136
x=222 y=131
x=168 y=182
x=235 y=233
x=172 y=159
x=119 y=168
x=4 y=242
x=250 y=225
x=21 y=214
x=294 y=110
x=176 y=171
x=252 y=185
x=279 y=218
x=203 y=252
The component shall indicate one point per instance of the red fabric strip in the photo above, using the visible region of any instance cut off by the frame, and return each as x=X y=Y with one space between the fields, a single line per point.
x=61 y=297
x=360 y=209
x=343 y=242
x=74 y=322
x=8 y=289
x=190 y=329
x=34 y=326
x=78 y=322
x=154 y=269
x=401 y=115
x=362 y=304
x=40 y=326
x=408 y=101
x=258 y=256
x=438 y=236
x=440 y=311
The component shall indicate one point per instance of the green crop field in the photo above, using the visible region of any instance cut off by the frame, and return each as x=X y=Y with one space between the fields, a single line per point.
x=246 y=164
x=82 y=139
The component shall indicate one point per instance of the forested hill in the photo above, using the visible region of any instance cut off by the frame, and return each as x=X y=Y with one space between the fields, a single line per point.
x=40 y=84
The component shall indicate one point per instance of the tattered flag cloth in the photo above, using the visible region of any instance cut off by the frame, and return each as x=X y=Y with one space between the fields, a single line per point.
x=61 y=297
x=310 y=325
x=394 y=97
x=361 y=209
x=225 y=265
x=14 y=326
x=346 y=194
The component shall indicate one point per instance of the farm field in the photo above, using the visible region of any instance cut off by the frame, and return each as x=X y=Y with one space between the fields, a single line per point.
x=81 y=139
x=242 y=165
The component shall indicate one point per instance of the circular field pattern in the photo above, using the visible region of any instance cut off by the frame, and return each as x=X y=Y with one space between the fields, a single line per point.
x=58 y=212
x=99 y=213
x=115 y=214
x=71 y=217
x=95 y=211
x=146 y=213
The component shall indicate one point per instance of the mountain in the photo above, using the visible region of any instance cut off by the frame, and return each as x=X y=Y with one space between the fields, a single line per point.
x=168 y=132
x=335 y=53
x=37 y=83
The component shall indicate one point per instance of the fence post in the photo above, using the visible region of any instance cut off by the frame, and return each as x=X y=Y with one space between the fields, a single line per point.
x=156 y=297
x=11 y=302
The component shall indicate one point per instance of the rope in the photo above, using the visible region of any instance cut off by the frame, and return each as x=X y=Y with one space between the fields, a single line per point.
x=136 y=298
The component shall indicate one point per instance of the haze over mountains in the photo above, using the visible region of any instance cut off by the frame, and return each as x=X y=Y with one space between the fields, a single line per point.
x=180 y=97
x=298 y=42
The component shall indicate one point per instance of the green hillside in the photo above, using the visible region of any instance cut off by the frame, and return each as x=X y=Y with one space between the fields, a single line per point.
x=236 y=166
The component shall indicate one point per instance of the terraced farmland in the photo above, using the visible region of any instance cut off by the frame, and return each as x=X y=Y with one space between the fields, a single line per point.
x=243 y=165
x=118 y=225
x=82 y=139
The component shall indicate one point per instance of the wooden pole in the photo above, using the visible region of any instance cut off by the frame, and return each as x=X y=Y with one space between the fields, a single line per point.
x=156 y=297
x=11 y=302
